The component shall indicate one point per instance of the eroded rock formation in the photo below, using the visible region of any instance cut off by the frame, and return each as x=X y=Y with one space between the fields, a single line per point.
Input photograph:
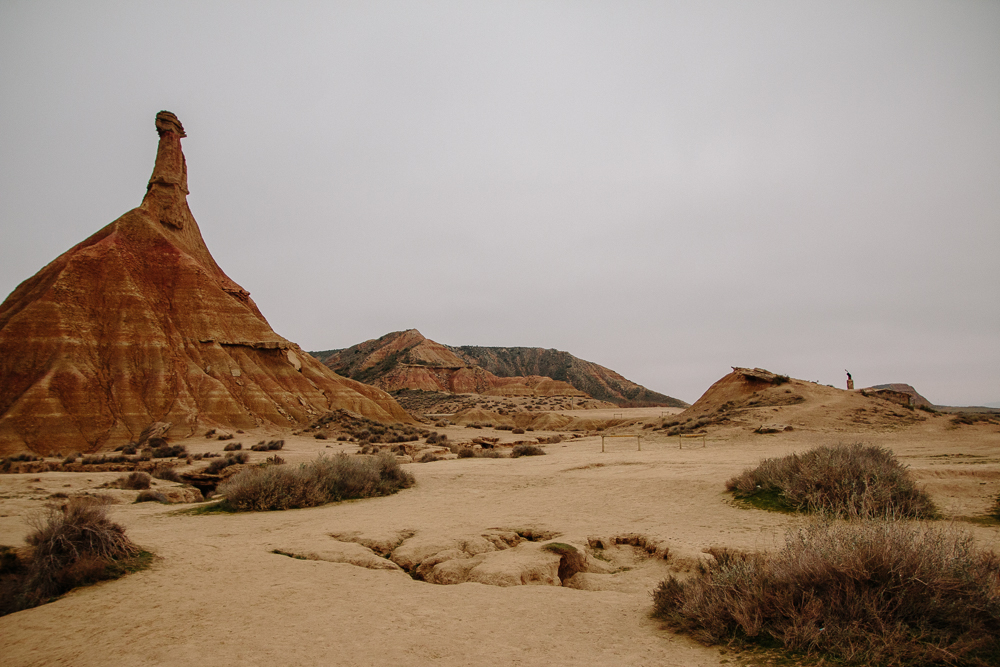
x=138 y=324
x=408 y=360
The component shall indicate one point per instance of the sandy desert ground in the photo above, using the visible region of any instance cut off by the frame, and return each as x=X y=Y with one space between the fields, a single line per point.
x=218 y=595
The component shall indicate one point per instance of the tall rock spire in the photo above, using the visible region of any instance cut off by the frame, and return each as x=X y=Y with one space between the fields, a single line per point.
x=138 y=324
x=166 y=194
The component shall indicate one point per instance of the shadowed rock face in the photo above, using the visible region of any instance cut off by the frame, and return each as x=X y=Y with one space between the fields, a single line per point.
x=138 y=324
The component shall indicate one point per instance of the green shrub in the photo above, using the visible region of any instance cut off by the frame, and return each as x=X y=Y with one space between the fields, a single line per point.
x=845 y=480
x=326 y=479
x=526 y=450
x=871 y=592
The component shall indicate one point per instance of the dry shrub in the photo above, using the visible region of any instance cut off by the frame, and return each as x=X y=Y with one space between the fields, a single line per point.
x=270 y=446
x=72 y=545
x=526 y=450
x=872 y=592
x=133 y=481
x=326 y=479
x=167 y=474
x=150 y=495
x=466 y=452
x=217 y=465
x=233 y=446
x=845 y=480
x=165 y=451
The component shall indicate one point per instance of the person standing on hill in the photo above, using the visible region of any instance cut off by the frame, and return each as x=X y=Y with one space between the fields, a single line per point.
x=850 y=380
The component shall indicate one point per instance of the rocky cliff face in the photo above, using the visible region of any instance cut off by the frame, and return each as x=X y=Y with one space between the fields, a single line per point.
x=138 y=324
x=407 y=360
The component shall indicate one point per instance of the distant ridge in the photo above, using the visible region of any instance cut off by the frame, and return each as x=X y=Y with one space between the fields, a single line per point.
x=408 y=360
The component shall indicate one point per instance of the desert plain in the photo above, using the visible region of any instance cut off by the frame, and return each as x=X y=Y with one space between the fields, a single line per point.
x=218 y=593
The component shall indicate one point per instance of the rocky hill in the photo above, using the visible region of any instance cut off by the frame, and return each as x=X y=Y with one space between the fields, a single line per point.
x=917 y=400
x=138 y=324
x=408 y=360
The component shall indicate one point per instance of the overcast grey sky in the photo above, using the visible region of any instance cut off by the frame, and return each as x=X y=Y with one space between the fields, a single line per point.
x=664 y=188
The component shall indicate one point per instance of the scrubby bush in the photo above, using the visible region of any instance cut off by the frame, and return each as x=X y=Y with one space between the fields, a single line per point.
x=466 y=453
x=134 y=481
x=166 y=451
x=487 y=454
x=518 y=431
x=326 y=479
x=167 y=474
x=233 y=446
x=150 y=495
x=240 y=457
x=844 y=480
x=970 y=418
x=428 y=457
x=70 y=546
x=270 y=446
x=871 y=592
x=526 y=450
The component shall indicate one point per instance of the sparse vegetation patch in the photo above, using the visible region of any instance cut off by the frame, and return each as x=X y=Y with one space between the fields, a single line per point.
x=526 y=450
x=846 y=480
x=872 y=592
x=324 y=480
x=72 y=545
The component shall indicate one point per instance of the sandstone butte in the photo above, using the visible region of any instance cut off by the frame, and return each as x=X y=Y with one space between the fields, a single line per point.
x=138 y=324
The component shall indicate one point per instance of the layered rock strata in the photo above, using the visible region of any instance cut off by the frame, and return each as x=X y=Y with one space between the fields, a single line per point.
x=139 y=324
x=408 y=360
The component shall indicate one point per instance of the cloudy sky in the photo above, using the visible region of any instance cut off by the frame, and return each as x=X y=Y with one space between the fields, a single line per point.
x=665 y=188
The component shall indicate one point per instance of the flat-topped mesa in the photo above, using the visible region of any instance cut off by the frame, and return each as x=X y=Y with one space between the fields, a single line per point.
x=166 y=194
x=137 y=324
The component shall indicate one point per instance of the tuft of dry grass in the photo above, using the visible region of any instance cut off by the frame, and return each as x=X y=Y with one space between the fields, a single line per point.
x=324 y=480
x=70 y=546
x=846 y=480
x=873 y=592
